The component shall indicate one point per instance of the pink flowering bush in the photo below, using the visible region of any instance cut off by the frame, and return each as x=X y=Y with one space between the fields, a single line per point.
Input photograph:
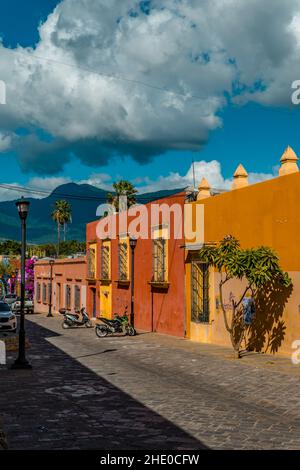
x=29 y=278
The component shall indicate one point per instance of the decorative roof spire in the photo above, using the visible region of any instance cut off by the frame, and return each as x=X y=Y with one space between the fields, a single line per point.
x=240 y=178
x=288 y=162
x=203 y=189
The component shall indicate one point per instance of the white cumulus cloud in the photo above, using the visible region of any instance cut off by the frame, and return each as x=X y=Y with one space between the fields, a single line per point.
x=202 y=51
x=212 y=171
x=5 y=142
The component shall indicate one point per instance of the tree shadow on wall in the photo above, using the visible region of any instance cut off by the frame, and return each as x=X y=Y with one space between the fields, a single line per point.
x=267 y=331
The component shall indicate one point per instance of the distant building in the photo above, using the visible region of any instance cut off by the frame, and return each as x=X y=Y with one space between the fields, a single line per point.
x=5 y=259
x=68 y=284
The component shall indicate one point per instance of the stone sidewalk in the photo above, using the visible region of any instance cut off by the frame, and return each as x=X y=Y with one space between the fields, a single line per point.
x=3 y=443
x=147 y=392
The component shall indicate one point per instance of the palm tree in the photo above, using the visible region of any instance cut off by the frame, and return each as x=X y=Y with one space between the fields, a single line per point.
x=68 y=218
x=62 y=214
x=122 y=188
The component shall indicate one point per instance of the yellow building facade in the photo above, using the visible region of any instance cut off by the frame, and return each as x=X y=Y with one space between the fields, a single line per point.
x=267 y=214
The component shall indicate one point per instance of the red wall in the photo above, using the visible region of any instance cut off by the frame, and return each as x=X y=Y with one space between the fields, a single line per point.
x=160 y=310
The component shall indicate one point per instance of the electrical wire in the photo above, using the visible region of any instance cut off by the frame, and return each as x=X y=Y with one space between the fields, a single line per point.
x=28 y=190
x=106 y=75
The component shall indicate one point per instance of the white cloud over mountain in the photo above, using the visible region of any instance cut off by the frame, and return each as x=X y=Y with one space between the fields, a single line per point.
x=210 y=170
x=204 y=51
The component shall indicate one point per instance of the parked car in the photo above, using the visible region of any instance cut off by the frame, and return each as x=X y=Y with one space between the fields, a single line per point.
x=8 y=320
x=10 y=298
x=28 y=307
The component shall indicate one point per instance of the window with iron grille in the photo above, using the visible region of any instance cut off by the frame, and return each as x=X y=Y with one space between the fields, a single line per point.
x=91 y=262
x=49 y=290
x=123 y=261
x=77 y=297
x=44 y=293
x=200 y=292
x=105 y=271
x=38 y=292
x=160 y=260
x=68 y=297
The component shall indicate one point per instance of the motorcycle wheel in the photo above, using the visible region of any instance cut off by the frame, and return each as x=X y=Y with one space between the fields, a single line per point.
x=101 y=331
x=89 y=324
x=131 y=331
x=65 y=325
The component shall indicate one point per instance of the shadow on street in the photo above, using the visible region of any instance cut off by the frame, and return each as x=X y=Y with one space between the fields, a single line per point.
x=61 y=404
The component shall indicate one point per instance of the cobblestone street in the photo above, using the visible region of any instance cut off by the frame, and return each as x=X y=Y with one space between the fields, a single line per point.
x=147 y=392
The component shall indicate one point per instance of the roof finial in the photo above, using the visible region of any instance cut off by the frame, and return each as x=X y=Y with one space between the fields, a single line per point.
x=240 y=178
x=203 y=189
x=288 y=162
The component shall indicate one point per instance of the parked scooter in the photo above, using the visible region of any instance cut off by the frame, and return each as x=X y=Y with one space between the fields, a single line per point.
x=73 y=319
x=119 y=324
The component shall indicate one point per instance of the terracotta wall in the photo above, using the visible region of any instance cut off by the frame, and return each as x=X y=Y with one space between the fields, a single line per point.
x=157 y=309
x=67 y=271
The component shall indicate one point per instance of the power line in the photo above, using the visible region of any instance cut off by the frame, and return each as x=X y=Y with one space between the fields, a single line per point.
x=107 y=75
x=24 y=189
x=194 y=178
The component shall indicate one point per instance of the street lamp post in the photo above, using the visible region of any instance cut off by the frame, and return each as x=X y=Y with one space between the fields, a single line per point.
x=51 y=262
x=132 y=243
x=21 y=362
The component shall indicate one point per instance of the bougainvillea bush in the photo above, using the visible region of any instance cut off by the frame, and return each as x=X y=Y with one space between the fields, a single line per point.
x=29 y=278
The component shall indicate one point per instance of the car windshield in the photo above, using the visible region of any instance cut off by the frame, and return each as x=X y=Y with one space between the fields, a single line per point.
x=4 y=307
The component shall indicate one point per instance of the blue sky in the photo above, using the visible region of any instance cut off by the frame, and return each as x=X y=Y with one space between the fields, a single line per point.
x=254 y=133
x=19 y=20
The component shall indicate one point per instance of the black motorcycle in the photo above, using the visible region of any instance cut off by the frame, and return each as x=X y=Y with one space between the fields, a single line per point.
x=73 y=319
x=119 y=324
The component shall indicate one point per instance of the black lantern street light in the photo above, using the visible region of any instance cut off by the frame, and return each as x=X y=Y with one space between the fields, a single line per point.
x=21 y=362
x=51 y=262
x=132 y=243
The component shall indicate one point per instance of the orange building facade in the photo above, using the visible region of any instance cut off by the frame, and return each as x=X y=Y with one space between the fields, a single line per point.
x=174 y=293
x=68 y=284
x=260 y=214
x=159 y=298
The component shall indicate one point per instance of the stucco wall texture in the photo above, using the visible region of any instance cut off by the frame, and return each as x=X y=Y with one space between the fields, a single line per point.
x=66 y=271
x=156 y=309
x=266 y=213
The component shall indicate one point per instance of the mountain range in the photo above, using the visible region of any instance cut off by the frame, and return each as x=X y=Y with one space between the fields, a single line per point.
x=84 y=200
